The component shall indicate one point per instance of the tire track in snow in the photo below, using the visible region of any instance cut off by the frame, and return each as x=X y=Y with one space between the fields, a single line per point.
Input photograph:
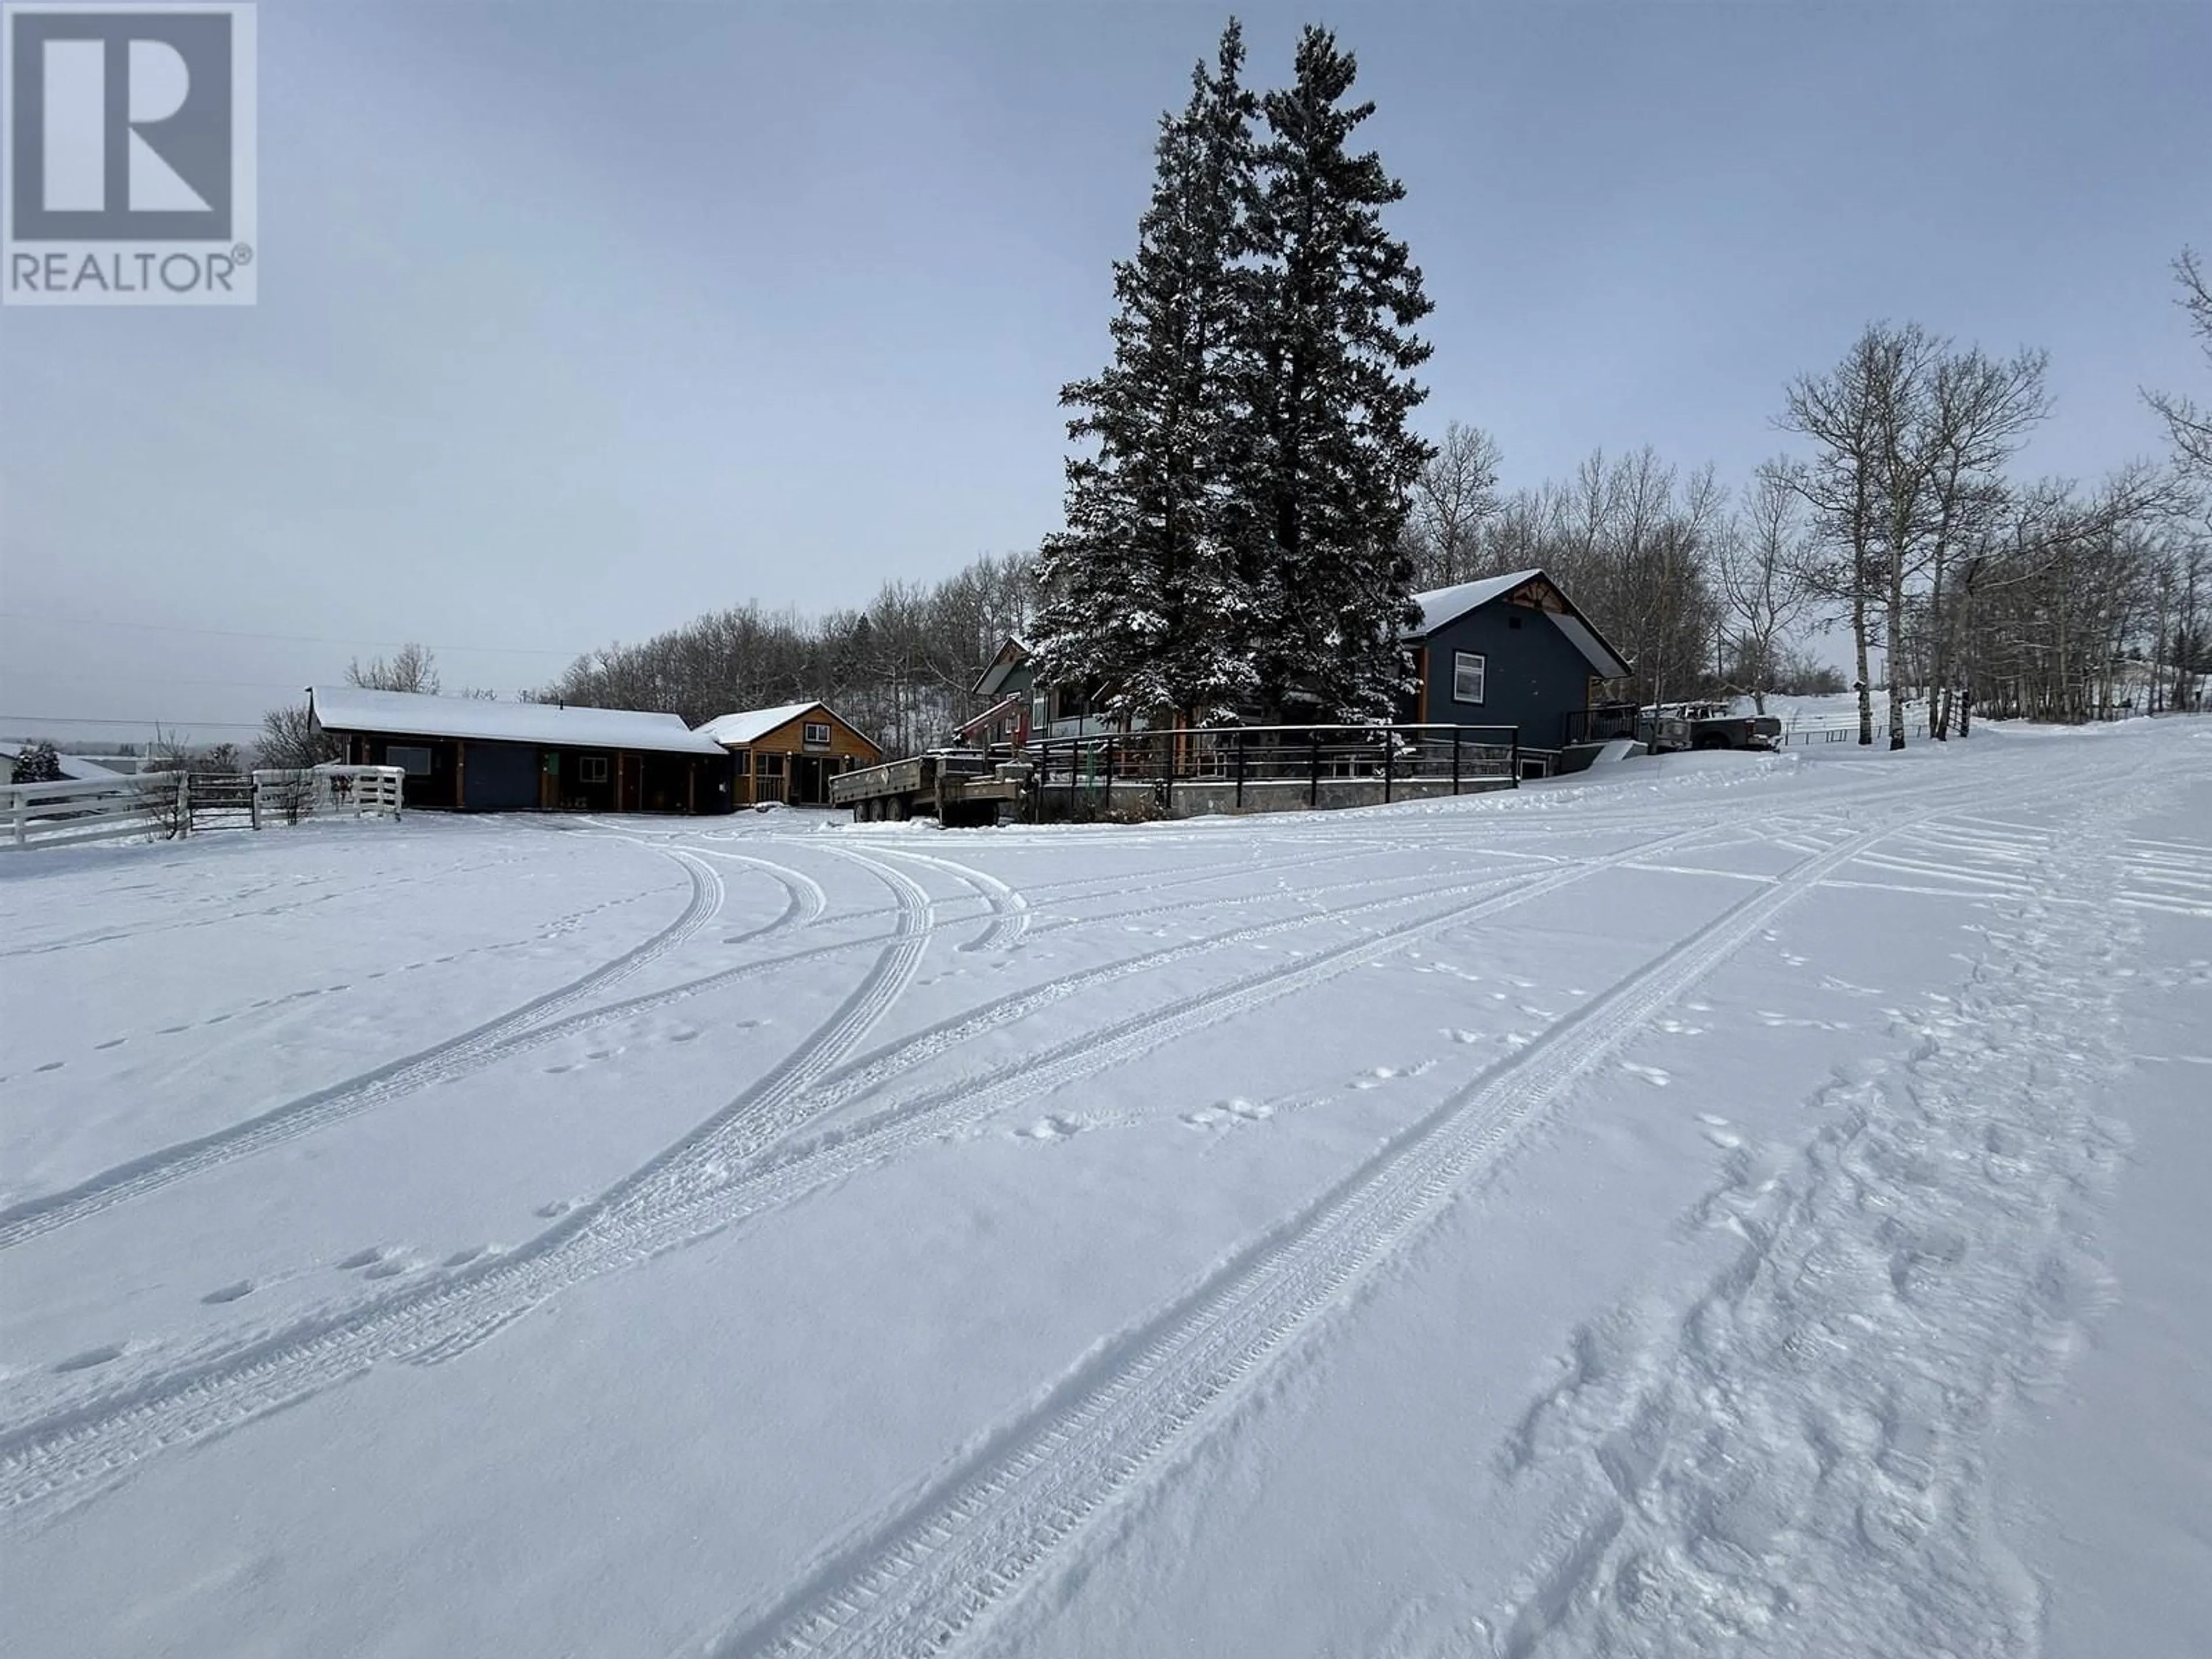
x=1010 y=911
x=66 y=1449
x=687 y=1193
x=151 y=1171
x=932 y=1572
x=805 y=900
x=949 y=1109
x=60 y=1451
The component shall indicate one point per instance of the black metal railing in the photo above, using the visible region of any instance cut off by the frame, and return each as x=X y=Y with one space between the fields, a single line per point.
x=1242 y=767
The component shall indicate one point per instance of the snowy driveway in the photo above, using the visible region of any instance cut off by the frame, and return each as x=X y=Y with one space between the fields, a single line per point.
x=1641 y=1217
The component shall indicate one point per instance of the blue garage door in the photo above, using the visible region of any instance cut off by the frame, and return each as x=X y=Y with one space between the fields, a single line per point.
x=500 y=777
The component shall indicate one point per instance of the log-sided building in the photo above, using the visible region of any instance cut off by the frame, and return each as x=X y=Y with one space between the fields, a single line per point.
x=470 y=754
x=789 y=753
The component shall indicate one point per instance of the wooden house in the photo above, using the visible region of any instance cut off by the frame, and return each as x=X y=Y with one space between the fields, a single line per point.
x=1025 y=708
x=789 y=753
x=470 y=754
x=1511 y=650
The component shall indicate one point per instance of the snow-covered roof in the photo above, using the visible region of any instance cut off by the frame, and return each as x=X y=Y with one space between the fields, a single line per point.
x=75 y=769
x=1447 y=604
x=754 y=724
x=411 y=713
x=1444 y=605
x=1007 y=658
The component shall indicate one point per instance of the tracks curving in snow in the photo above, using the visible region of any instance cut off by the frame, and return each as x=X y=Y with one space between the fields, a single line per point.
x=931 y=1572
x=68 y=1449
x=156 y=1169
x=1010 y=911
x=696 y=1188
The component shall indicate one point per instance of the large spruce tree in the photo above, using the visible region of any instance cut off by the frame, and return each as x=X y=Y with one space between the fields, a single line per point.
x=1328 y=459
x=1143 y=589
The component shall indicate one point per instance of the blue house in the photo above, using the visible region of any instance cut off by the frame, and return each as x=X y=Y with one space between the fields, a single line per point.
x=1511 y=650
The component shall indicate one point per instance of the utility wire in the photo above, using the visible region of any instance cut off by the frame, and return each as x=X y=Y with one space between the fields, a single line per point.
x=91 y=720
x=296 y=638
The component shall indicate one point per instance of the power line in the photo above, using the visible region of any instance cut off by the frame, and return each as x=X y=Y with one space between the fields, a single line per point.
x=91 y=720
x=152 y=679
x=294 y=639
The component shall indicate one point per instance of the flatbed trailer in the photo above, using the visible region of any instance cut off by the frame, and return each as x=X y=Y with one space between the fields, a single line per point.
x=961 y=789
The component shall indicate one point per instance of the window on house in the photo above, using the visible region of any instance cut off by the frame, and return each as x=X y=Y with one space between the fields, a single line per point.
x=410 y=759
x=744 y=758
x=816 y=735
x=1467 y=668
x=771 y=765
x=592 y=768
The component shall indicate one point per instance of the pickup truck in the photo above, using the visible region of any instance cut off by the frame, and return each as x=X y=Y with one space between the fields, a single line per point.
x=1705 y=726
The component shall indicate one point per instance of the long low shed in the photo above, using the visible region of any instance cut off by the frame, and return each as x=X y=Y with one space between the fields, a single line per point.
x=472 y=754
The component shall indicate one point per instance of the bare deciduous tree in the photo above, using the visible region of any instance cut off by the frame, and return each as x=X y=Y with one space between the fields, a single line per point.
x=289 y=737
x=2190 y=427
x=1454 y=499
x=1758 y=567
x=412 y=668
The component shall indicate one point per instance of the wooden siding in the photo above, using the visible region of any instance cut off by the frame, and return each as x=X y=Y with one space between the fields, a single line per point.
x=796 y=762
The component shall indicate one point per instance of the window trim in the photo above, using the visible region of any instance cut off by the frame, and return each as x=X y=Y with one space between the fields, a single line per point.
x=808 y=730
x=392 y=752
x=1461 y=661
x=592 y=768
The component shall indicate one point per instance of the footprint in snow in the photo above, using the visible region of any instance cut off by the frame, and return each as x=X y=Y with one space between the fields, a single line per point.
x=1654 y=1075
x=1228 y=1114
x=238 y=1291
x=1050 y=1128
x=90 y=1357
x=1716 y=1130
x=368 y=1258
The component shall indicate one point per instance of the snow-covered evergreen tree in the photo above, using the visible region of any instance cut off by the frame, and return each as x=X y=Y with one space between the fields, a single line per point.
x=36 y=762
x=1329 y=459
x=1142 y=589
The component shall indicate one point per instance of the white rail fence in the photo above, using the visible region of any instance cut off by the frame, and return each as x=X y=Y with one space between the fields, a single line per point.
x=286 y=795
x=74 y=811
x=1845 y=728
x=77 y=813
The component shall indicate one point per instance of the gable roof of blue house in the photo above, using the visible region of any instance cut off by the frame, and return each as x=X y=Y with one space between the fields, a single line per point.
x=1533 y=589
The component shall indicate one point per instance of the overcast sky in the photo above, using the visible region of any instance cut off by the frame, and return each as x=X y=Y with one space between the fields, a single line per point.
x=577 y=320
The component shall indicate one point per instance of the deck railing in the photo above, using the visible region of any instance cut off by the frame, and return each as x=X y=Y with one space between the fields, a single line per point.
x=1249 y=767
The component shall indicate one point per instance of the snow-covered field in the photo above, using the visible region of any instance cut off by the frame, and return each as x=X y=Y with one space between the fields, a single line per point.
x=1736 y=1204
